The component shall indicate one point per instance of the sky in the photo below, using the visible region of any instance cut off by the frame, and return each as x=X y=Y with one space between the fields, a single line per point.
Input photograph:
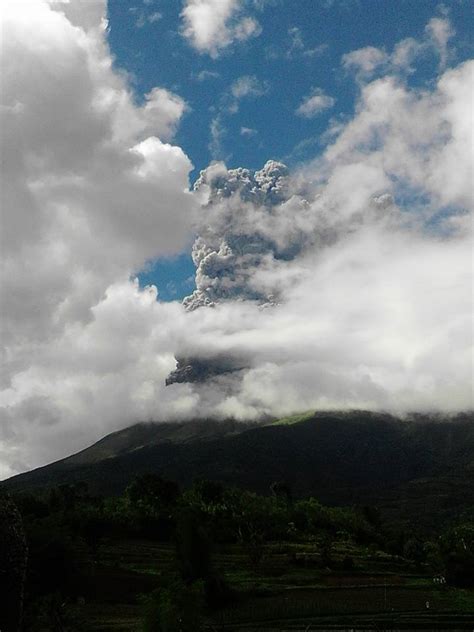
x=294 y=53
x=277 y=187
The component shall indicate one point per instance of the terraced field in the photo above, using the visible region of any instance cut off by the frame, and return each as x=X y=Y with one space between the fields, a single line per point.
x=287 y=591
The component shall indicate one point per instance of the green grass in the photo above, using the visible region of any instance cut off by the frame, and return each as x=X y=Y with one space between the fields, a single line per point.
x=293 y=419
x=289 y=585
x=463 y=600
x=113 y=617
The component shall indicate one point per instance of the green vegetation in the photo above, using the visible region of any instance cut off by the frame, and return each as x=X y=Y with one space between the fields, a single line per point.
x=158 y=558
x=339 y=458
x=324 y=519
x=293 y=419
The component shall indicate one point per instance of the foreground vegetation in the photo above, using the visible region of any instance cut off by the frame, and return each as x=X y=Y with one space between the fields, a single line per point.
x=158 y=558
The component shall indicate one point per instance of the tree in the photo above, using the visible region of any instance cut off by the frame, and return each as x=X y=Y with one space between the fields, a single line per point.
x=152 y=490
x=208 y=492
x=151 y=501
x=413 y=549
x=178 y=607
x=457 y=549
x=13 y=558
x=193 y=547
x=282 y=491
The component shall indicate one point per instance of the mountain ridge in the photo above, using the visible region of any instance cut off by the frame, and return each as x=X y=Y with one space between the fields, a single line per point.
x=355 y=457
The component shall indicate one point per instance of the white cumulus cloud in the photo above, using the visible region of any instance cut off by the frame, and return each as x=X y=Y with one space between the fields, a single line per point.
x=247 y=86
x=90 y=192
x=213 y=25
x=367 y=61
x=315 y=103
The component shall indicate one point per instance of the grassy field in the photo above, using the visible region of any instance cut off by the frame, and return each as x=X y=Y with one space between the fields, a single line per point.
x=293 y=419
x=288 y=590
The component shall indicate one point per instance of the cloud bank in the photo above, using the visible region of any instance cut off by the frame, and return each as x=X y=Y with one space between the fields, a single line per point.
x=90 y=191
x=345 y=283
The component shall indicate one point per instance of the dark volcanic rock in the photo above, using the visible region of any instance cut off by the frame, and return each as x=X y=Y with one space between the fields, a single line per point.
x=203 y=369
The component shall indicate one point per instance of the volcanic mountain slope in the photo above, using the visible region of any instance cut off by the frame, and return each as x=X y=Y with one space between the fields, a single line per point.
x=138 y=439
x=424 y=464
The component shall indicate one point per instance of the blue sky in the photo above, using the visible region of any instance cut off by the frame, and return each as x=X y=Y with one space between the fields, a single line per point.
x=297 y=54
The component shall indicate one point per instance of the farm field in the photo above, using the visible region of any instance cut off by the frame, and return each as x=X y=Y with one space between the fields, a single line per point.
x=288 y=590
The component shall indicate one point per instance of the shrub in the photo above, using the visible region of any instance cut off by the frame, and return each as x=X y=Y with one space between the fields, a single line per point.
x=175 y=608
